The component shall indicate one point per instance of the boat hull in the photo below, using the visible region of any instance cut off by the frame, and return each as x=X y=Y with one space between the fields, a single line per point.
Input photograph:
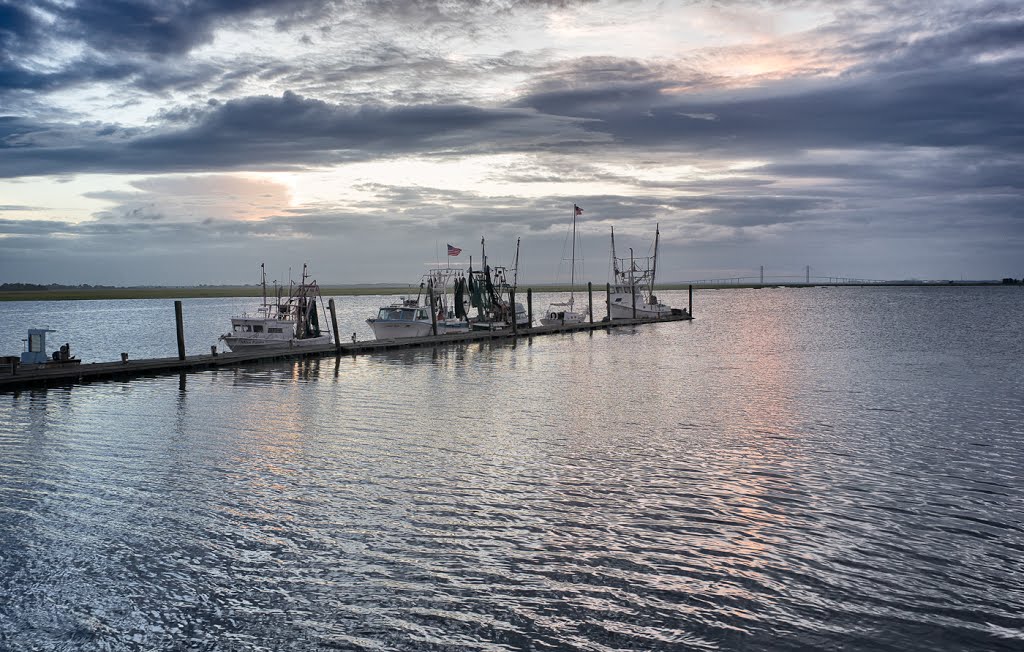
x=646 y=311
x=393 y=330
x=562 y=317
x=240 y=344
x=452 y=326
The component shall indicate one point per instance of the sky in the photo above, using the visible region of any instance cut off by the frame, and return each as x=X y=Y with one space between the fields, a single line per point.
x=184 y=142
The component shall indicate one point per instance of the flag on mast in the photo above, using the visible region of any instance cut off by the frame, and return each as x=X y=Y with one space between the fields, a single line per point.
x=579 y=211
x=453 y=251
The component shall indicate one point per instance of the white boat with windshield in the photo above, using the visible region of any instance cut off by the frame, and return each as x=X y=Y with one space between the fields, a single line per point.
x=411 y=317
x=287 y=323
x=564 y=312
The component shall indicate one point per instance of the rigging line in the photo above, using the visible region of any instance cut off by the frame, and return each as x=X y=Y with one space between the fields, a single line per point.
x=561 y=256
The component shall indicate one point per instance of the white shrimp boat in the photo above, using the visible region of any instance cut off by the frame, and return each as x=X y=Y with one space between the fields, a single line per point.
x=286 y=324
x=412 y=317
x=632 y=290
x=564 y=312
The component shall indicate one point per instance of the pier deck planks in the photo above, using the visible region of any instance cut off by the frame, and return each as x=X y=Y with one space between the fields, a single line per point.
x=62 y=375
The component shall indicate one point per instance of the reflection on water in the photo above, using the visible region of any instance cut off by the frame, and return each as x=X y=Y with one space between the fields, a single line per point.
x=793 y=470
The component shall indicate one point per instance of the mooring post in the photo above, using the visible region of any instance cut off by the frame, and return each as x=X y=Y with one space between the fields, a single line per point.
x=529 y=306
x=608 y=299
x=590 y=300
x=180 y=326
x=433 y=309
x=515 y=317
x=690 y=309
x=334 y=325
x=633 y=299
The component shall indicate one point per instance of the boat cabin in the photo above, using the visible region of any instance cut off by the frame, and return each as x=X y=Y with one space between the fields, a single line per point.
x=35 y=346
x=396 y=313
x=258 y=327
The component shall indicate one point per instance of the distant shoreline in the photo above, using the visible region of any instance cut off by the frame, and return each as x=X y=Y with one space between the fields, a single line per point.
x=206 y=292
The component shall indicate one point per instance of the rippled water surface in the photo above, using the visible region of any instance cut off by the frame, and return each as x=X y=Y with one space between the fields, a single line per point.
x=795 y=469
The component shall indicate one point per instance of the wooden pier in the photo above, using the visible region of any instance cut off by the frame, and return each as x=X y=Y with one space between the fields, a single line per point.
x=13 y=378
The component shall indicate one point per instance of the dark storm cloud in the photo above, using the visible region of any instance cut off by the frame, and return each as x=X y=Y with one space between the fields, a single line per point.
x=18 y=28
x=969 y=105
x=963 y=34
x=174 y=27
x=170 y=27
x=278 y=132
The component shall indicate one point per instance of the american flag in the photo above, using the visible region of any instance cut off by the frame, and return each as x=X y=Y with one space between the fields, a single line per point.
x=579 y=211
x=453 y=251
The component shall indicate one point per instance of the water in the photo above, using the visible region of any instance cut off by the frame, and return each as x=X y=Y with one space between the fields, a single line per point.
x=795 y=469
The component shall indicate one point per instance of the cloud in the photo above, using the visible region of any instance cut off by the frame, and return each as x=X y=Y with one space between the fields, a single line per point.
x=279 y=133
x=878 y=121
x=194 y=199
x=140 y=41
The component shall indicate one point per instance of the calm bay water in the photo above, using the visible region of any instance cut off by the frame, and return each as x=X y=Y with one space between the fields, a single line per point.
x=795 y=469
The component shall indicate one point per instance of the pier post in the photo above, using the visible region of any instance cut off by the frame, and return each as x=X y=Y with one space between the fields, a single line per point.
x=608 y=299
x=515 y=317
x=334 y=324
x=180 y=327
x=433 y=309
x=690 y=309
x=529 y=305
x=633 y=299
x=590 y=300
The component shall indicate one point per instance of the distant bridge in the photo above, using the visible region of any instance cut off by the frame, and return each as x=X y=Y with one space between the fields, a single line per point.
x=805 y=279
x=801 y=279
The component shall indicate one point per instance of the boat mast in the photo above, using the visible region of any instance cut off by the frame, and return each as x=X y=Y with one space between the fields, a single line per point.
x=515 y=266
x=263 y=273
x=632 y=267
x=615 y=261
x=654 y=265
x=572 y=271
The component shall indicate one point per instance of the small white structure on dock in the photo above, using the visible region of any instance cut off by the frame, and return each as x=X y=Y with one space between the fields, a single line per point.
x=35 y=346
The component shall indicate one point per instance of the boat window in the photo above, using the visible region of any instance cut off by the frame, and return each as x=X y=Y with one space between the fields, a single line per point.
x=384 y=313
x=257 y=329
x=407 y=315
x=274 y=330
x=421 y=314
x=246 y=328
x=236 y=328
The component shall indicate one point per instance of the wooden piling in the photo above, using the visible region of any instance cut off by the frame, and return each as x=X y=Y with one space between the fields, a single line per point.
x=433 y=309
x=529 y=306
x=512 y=305
x=633 y=299
x=179 y=324
x=590 y=300
x=334 y=325
x=689 y=309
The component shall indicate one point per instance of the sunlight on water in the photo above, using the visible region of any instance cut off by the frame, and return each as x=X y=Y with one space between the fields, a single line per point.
x=793 y=470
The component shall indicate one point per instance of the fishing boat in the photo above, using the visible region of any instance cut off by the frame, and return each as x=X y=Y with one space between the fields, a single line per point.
x=35 y=356
x=632 y=290
x=431 y=308
x=290 y=322
x=493 y=295
x=564 y=312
